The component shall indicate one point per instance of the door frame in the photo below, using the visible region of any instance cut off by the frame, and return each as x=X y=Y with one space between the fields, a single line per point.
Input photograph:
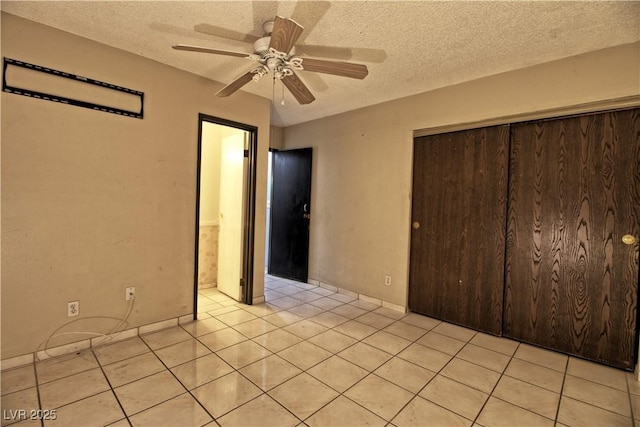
x=249 y=207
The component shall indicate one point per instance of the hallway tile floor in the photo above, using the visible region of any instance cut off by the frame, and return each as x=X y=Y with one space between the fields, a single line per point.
x=313 y=357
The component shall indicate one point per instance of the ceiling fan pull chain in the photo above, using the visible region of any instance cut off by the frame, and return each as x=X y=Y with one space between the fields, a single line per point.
x=273 y=90
x=282 y=101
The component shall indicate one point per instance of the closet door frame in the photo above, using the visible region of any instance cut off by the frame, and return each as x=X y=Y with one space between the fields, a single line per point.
x=599 y=107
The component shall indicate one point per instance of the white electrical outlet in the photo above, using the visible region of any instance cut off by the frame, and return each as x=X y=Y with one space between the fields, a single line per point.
x=130 y=293
x=73 y=308
x=387 y=280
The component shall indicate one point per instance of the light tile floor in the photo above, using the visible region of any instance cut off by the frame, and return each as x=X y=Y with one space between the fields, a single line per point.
x=313 y=357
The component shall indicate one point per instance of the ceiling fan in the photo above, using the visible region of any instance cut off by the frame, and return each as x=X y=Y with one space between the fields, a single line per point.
x=275 y=53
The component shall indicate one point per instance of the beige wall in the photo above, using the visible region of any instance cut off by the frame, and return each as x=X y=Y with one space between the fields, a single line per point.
x=275 y=141
x=94 y=202
x=361 y=193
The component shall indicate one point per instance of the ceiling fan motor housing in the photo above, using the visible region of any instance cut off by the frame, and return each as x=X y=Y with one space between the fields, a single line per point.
x=267 y=26
x=261 y=46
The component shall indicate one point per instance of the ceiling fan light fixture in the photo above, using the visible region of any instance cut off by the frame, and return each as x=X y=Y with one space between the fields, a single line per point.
x=259 y=72
x=261 y=46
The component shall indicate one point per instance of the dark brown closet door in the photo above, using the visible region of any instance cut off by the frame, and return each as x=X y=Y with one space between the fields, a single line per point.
x=571 y=283
x=458 y=226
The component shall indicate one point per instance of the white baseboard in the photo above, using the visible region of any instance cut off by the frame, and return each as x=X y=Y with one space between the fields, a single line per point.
x=14 y=362
x=25 y=359
x=395 y=307
x=356 y=295
x=372 y=300
x=328 y=287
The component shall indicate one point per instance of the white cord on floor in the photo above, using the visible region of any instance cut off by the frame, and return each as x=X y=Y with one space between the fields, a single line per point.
x=107 y=337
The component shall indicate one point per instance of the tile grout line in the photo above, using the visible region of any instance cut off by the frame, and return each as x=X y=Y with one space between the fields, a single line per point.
x=564 y=379
x=321 y=361
x=438 y=373
x=35 y=374
x=71 y=356
x=560 y=394
x=266 y=392
x=237 y=370
x=600 y=385
x=176 y=378
x=151 y=351
x=369 y=373
x=475 y=420
x=111 y=389
x=415 y=341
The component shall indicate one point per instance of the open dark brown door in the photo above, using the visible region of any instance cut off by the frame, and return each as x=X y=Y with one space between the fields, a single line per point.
x=458 y=227
x=290 y=214
x=572 y=275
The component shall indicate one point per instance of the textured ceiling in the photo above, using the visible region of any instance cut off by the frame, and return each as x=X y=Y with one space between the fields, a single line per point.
x=409 y=46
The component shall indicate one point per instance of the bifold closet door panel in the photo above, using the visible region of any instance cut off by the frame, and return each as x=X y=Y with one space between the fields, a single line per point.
x=574 y=192
x=458 y=227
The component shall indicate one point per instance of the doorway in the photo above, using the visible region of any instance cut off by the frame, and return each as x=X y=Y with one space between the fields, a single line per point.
x=290 y=214
x=225 y=208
